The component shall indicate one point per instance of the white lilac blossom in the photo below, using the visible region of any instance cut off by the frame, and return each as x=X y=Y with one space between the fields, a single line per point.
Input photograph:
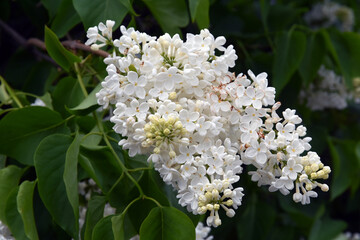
x=329 y=91
x=38 y=102
x=202 y=232
x=177 y=102
x=330 y=14
x=5 y=233
x=351 y=236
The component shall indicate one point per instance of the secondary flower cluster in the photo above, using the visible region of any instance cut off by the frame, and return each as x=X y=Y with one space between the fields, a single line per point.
x=329 y=91
x=178 y=102
x=330 y=14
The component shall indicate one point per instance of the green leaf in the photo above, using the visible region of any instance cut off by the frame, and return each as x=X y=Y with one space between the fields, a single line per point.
x=313 y=58
x=9 y=179
x=46 y=98
x=118 y=227
x=326 y=228
x=88 y=104
x=101 y=165
x=347 y=48
x=170 y=14
x=12 y=216
x=70 y=176
x=2 y=162
x=66 y=18
x=139 y=211
x=96 y=11
x=63 y=57
x=103 y=229
x=345 y=165
x=122 y=193
x=151 y=189
x=122 y=227
x=25 y=207
x=256 y=215
x=199 y=11
x=52 y=6
x=167 y=223
x=23 y=129
x=92 y=140
x=290 y=50
x=94 y=213
x=67 y=94
x=49 y=165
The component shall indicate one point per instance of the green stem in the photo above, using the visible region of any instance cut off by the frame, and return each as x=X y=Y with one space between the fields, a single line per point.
x=101 y=128
x=116 y=183
x=28 y=94
x=91 y=133
x=95 y=73
x=131 y=203
x=11 y=92
x=139 y=169
x=152 y=199
x=123 y=167
x=81 y=83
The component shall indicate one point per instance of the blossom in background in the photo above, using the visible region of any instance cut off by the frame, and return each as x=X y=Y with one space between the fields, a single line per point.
x=177 y=102
x=328 y=92
x=330 y=14
x=5 y=233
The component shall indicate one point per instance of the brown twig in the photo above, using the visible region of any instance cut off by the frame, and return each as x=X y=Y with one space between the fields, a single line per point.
x=72 y=44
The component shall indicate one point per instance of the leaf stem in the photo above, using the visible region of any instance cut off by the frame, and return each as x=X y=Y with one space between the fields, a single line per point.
x=91 y=133
x=131 y=203
x=106 y=139
x=78 y=74
x=139 y=169
x=116 y=183
x=152 y=199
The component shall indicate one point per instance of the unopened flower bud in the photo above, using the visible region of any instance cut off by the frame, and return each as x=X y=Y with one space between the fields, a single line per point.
x=217 y=221
x=314 y=167
x=208 y=196
x=313 y=175
x=324 y=187
x=297 y=197
x=229 y=202
x=303 y=177
x=209 y=207
x=166 y=131
x=215 y=194
x=227 y=193
x=172 y=154
x=172 y=95
x=308 y=187
x=326 y=169
x=230 y=213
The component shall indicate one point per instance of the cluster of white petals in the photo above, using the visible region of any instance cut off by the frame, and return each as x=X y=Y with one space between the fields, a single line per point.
x=177 y=102
x=5 y=233
x=328 y=91
x=202 y=232
x=351 y=236
x=330 y=14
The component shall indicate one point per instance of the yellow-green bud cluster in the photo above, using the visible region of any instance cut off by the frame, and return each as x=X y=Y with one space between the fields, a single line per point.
x=317 y=171
x=211 y=200
x=160 y=130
